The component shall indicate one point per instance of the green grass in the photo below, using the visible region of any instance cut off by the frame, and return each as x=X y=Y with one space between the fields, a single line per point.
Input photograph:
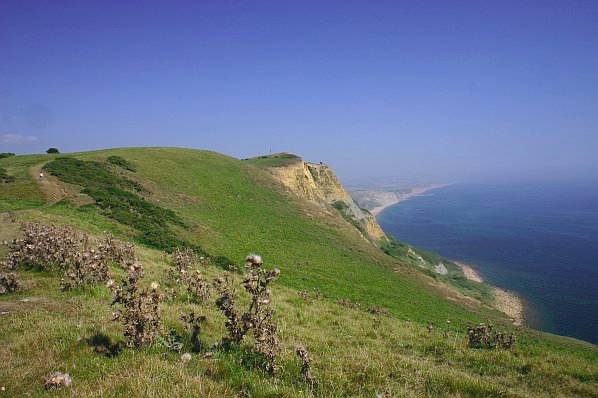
x=121 y=162
x=455 y=276
x=230 y=208
x=275 y=160
x=118 y=199
x=24 y=192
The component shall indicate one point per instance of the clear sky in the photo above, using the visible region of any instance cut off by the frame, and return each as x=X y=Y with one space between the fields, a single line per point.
x=430 y=90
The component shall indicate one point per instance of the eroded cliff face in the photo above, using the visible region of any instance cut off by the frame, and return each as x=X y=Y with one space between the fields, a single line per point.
x=318 y=183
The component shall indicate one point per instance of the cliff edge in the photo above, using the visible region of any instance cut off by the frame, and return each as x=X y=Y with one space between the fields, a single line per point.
x=318 y=183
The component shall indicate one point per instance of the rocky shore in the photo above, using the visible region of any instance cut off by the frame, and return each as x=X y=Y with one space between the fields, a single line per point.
x=504 y=300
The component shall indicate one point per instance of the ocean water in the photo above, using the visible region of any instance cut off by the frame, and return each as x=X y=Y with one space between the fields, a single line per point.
x=539 y=240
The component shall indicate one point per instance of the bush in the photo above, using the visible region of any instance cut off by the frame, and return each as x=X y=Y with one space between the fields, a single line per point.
x=117 y=198
x=119 y=252
x=182 y=273
x=139 y=309
x=86 y=268
x=121 y=162
x=4 y=177
x=482 y=336
x=6 y=154
x=52 y=150
x=45 y=246
x=49 y=248
x=258 y=317
x=8 y=282
x=306 y=374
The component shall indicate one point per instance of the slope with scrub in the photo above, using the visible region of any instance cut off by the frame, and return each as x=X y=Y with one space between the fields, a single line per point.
x=363 y=314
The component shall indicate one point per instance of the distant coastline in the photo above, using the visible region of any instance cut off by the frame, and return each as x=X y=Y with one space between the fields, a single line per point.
x=504 y=300
x=389 y=200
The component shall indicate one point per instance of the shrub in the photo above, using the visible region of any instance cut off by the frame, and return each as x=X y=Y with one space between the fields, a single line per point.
x=121 y=162
x=183 y=260
x=49 y=247
x=306 y=374
x=45 y=246
x=197 y=286
x=6 y=155
x=117 y=198
x=234 y=324
x=182 y=274
x=258 y=317
x=139 y=309
x=8 y=282
x=52 y=150
x=119 y=252
x=4 y=177
x=86 y=268
x=482 y=336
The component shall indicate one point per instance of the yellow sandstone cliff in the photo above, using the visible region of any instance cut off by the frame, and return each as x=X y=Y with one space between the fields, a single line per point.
x=318 y=183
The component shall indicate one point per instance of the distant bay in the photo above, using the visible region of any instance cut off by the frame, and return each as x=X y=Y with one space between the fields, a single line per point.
x=539 y=240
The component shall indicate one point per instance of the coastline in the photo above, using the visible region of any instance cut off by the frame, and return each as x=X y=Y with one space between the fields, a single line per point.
x=401 y=197
x=504 y=300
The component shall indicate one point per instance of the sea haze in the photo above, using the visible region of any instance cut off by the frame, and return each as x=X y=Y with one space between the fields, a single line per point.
x=537 y=239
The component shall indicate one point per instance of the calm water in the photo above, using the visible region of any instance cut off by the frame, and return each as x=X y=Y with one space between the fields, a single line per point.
x=539 y=240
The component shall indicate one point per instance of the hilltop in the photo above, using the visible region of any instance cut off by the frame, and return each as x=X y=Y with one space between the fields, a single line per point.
x=372 y=312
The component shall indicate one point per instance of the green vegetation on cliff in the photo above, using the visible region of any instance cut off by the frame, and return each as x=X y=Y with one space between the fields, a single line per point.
x=362 y=314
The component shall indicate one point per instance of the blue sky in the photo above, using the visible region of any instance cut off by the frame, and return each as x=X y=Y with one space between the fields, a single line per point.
x=430 y=91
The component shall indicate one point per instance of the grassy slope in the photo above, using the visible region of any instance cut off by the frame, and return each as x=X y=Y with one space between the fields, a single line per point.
x=235 y=208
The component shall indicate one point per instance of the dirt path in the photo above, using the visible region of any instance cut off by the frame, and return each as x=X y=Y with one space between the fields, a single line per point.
x=50 y=187
x=54 y=190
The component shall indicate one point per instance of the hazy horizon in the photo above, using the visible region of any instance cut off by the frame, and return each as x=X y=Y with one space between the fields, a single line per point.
x=430 y=92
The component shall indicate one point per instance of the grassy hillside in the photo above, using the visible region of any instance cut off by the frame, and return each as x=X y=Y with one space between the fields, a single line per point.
x=229 y=208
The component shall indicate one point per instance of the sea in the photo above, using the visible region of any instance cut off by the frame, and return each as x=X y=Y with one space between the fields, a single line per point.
x=539 y=240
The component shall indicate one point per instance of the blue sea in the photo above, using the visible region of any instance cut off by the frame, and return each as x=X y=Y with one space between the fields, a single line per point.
x=539 y=240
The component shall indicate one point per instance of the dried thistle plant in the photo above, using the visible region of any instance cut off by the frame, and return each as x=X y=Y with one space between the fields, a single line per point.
x=260 y=312
x=376 y=310
x=8 y=282
x=139 y=309
x=49 y=247
x=182 y=273
x=184 y=259
x=226 y=303
x=306 y=374
x=483 y=336
x=45 y=247
x=197 y=286
x=87 y=268
x=304 y=294
x=117 y=251
x=258 y=317
x=193 y=323
x=503 y=341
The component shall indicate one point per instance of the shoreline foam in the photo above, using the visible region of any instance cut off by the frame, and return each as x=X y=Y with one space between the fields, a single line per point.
x=504 y=300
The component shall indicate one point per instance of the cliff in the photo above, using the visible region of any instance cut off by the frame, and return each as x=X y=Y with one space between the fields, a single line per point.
x=319 y=183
